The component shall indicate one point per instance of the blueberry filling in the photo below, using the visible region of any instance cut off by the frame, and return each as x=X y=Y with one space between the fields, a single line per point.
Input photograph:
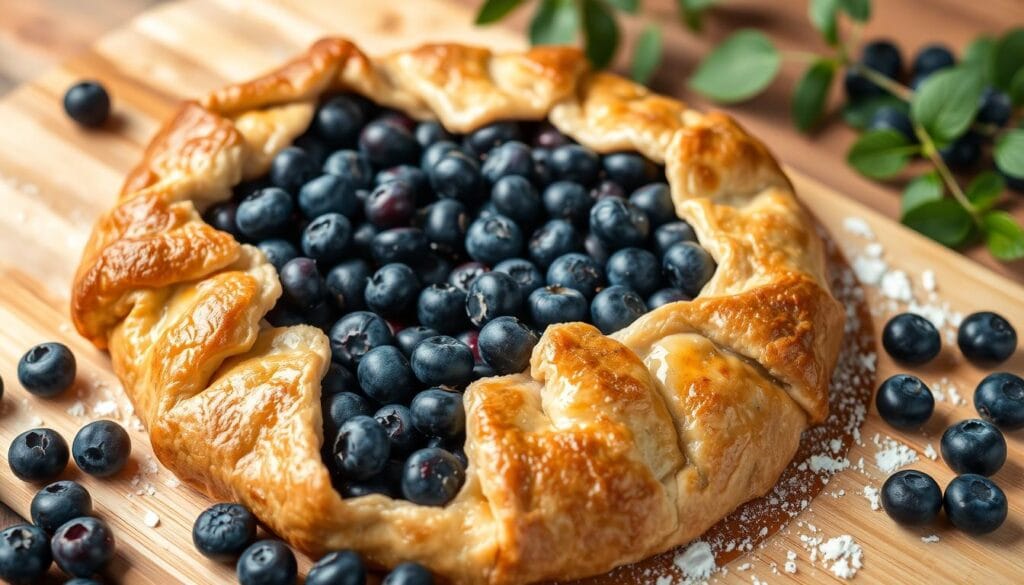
x=432 y=259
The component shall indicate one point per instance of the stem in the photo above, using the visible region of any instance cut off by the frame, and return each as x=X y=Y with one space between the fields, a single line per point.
x=802 y=56
x=928 y=147
x=895 y=88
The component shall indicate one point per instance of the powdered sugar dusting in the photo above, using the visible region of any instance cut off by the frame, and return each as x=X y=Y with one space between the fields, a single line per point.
x=843 y=555
x=696 y=563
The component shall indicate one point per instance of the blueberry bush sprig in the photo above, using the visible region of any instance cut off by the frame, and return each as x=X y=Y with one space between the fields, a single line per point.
x=947 y=115
x=557 y=22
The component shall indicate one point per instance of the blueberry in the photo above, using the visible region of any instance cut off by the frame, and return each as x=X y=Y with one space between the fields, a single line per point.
x=464 y=274
x=515 y=197
x=408 y=338
x=346 y=284
x=362 y=238
x=606 y=188
x=526 y=275
x=628 y=169
x=385 y=375
x=493 y=239
x=391 y=204
x=352 y=167
x=38 y=455
x=688 y=267
x=904 y=401
x=47 y=369
x=911 y=339
x=431 y=132
x=911 y=497
x=339 y=120
x=445 y=223
x=619 y=223
x=223 y=531
x=932 y=58
x=338 y=568
x=557 y=304
x=302 y=283
x=443 y=361
x=404 y=245
x=964 y=152
x=292 y=167
x=432 y=477
x=974 y=504
x=457 y=176
x=397 y=420
x=24 y=554
x=267 y=562
x=636 y=269
x=509 y=159
x=81 y=581
x=439 y=413
x=392 y=290
x=328 y=194
x=282 y=315
x=264 y=213
x=555 y=238
x=278 y=251
x=222 y=217
x=576 y=271
x=665 y=296
x=59 y=502
x=326 y=238
x=341 y=407
x=882 y=56
x=974 y=446
x=357 y=333
x=569 y=201
x=482 y=140
x=995 y=107
x=999 y=399
x=337 y=379
x=101 y=448
x=655 y=200
x=492 y=295
x=506 y=344
x=409 y=574
x=386 y=144
x=987 y=337
x=321 y=315
x=671 y=234
x=87 y=103
x=83 y=547
x=443 y=308
x=408 y=174
x=572 y=162
x=362 y=448
x=549 y=137
x=893 y=118
x=616 y=307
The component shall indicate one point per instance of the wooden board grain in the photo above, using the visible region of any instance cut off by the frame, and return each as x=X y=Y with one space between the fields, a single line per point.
x=55 y=179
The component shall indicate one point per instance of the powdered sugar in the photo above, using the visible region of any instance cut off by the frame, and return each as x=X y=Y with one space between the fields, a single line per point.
x=892 y=454
x=697 y=562
x=871 y=493
x=844 y=554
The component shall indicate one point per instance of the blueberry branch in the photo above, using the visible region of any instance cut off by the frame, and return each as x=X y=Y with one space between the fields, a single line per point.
x=929 y=150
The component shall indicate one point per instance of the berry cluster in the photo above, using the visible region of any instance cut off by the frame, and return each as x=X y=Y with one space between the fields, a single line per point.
x=432 y=259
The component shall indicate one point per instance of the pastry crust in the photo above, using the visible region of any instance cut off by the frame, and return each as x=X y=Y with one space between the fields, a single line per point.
x=608 y=450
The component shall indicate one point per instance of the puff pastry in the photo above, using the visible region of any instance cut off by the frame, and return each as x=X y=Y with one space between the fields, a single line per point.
x=608 y=450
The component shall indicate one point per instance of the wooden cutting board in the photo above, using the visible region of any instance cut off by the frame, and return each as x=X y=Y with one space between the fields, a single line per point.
x=55 y=179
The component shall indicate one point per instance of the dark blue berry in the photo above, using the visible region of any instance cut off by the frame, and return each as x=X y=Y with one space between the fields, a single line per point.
x=671 y=234
x=515 y=197
x=616 y=307
x=445 y=223
x=59 y=502
x=409 y=574
x=605 y=189
x=555 y=238
x=339 y=120
x=326 y=238
x=278 y=251
x=443 y=361
x=264 y=213
x=223 y=531
x=973 y=446
x=995 y=107
x=338 y=568
x=405 y=245
x=492 y=295
x=397 y=420
x=341 y=407
x=362 y=448
x=987 y=337
x=38 y=455
x=557 y=304
x=457 y=176
x=542 y=166
x=893 y=118
x=352 y=167
x=362 y=239
x=385 y=375
x=267 y=562
x=432 y=477
x=999 y=399
x=391 y=204
x=357 y=333
x=509 y=159
x=222 y=217
x=443 y=308
x=392 y=290
x=387 y=483
x=974 y=504
x=314 y=146
x=911 y=497
x=328 y=194
x=506 y=344
x=932 y=58
x=619 y=223
x=433 y=268
x=47 y=369
x=688 y=267
x=337 y=379
x=87 y=103
x=576 y=163
x=464 y=274
x=321 y=315
x=576 y=271
x=904 y=401
x=569 y=201
x=964 y=152
x=482 y=140
x=439 y=413
x=409 y=174
x=628 y=169
x=24 y=555
x=291 y=168
x=882 y=56
x=524 y=272
x=407 y=339
x=101 y=448
x=433 y=153
x=548 y=136
x=283 y=315
x=346 y=284
x=83 y=547
x=493 y=239
x=386 y=144
x=665 y=296
x=911 y=339
x=302 y=283
x=431 y=132
x=655 y=200
x=635 y=269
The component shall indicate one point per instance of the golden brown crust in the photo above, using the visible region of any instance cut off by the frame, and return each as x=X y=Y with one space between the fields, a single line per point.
x=610 y=449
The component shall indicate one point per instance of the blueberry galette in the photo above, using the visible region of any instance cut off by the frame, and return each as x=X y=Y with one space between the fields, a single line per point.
x=495 y=313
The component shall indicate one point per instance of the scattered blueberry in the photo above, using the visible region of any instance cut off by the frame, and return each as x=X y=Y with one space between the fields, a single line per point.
x=492 y=295
x=506 y=344
x=911 y=339
x=386 y=376
x=38 y=455
x=987 y=338
x=911 y=497
x=439 y=413
x=999 y=399
x=338 y=568
x=223 y=531
x=83 y=547
x=87 y=103
x=59 y=502
x=409 y=574
x=973 y=446
x=267 y=562
x=47 y=369
x=432 y=477
x=974 y=504
x=24 y=554
x=904 y=401
x=101 y=448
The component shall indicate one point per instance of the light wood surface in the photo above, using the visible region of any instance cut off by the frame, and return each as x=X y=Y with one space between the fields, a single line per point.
x=55 y=179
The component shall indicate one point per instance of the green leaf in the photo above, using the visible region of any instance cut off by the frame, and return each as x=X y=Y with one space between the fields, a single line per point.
x=692 y=12
x=946 y=102
x=984 y=191
x=979 y=55
x=880 y=154
x=1017 y=89
x=1008 y=58
x=823 y=16
x=924 y=189
x=600 y=31
x=1009 y=153
x=739 y=68
x=554 y=23
x=495 y=10
x=630 y=6
x=858 y=113
x=812 y=93
x=943 y=221
x=1003 y=235
x=646 y=54
x=859 y=10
